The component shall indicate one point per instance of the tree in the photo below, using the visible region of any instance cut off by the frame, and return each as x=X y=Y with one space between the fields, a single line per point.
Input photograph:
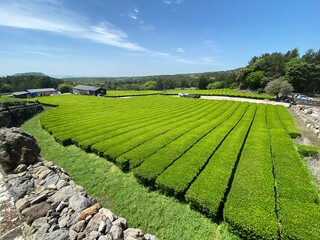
x=6 y=88
x=305 y=77
x=256 y=80
x=150 y=85
x=202 y=83
x=279 y=87
x=64 y=88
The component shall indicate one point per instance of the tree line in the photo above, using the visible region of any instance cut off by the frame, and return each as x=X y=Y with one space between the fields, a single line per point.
x=18 y=83
x=270 y=72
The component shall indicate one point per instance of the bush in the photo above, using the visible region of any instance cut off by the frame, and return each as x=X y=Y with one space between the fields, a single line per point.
x=307 y=150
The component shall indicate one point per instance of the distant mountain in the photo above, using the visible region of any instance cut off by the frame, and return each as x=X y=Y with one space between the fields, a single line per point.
x=31 y=74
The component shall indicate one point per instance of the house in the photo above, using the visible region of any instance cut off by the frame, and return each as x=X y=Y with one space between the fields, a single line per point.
x=41 y=92
x=88 y=90
x=23 y=94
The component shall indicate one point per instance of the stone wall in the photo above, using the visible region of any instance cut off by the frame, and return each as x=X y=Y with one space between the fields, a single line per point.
x=310 y=116
x=51 y=206
x=13 y=116
x=48 y=202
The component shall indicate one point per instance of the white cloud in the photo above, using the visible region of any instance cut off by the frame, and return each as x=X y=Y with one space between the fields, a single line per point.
x=169 y=2
x=134 y=14
x=49 y=17
x=180 y=50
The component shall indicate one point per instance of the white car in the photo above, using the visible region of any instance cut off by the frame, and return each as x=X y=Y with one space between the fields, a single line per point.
x=182 y=94
x=304 y=97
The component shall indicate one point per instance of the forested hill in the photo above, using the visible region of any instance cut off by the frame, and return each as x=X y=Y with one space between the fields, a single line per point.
x=282 y=70
x=160 y=82
x=21 y=82
x=303 y=73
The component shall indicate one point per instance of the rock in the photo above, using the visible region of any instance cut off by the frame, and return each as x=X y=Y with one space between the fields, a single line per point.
x=150 y=237
x=73 y=219
x=79 y=226
x=61 y=183
x=45 y=173
x=63 y=222
x=40 y=225
x=17 y=147
x=40 y=189
x=35 y=211
x=93 y=224
x=116 y=232
x=59 y=234
x=78 y=202
x=108 y=226
x=107 y=213
x=93 y=235
x=51 y=180
x=20 y=186
x=121 y=222
x=81 y=235
x=20 y=168
x=48 y=164
x=54 y=227
x=132 y=232
x=102 y=226
x=62 y=195
x=22 y=204
x=73 y=235
x=40 y=198
x=105 y=237
x=89 y=211
x=61 y=206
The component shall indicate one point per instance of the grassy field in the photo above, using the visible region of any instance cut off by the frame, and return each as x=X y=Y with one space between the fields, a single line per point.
x=151 y=211
x=231 y=161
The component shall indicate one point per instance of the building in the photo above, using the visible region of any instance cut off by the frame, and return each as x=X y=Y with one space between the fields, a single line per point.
x=23 y=94
x=88 y=90
x=41 y=92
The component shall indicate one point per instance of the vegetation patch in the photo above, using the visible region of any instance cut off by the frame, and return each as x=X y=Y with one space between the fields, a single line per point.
x=232 y=161
x=308 y=150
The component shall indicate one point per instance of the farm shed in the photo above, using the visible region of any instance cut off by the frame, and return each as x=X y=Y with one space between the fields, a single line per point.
x=41 y=92
x=88 y=90
x=22 y=94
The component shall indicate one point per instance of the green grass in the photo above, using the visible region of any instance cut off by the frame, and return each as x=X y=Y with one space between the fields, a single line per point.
x=153 y=212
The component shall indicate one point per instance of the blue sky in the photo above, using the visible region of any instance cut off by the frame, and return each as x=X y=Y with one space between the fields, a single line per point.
x=149 y=37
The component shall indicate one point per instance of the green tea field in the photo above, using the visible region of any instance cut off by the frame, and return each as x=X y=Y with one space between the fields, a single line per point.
x=232 y=161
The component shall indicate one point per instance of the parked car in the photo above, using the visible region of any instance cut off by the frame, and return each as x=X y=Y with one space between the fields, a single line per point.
x=304 y=97
x=183 y=94
x=187 y=95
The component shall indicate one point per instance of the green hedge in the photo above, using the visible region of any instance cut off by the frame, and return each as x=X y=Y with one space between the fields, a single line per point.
x=208 y=191
x=287 y=122
x=250 y=206
x=177 y=177
x=158 y=162
x=298 y=198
